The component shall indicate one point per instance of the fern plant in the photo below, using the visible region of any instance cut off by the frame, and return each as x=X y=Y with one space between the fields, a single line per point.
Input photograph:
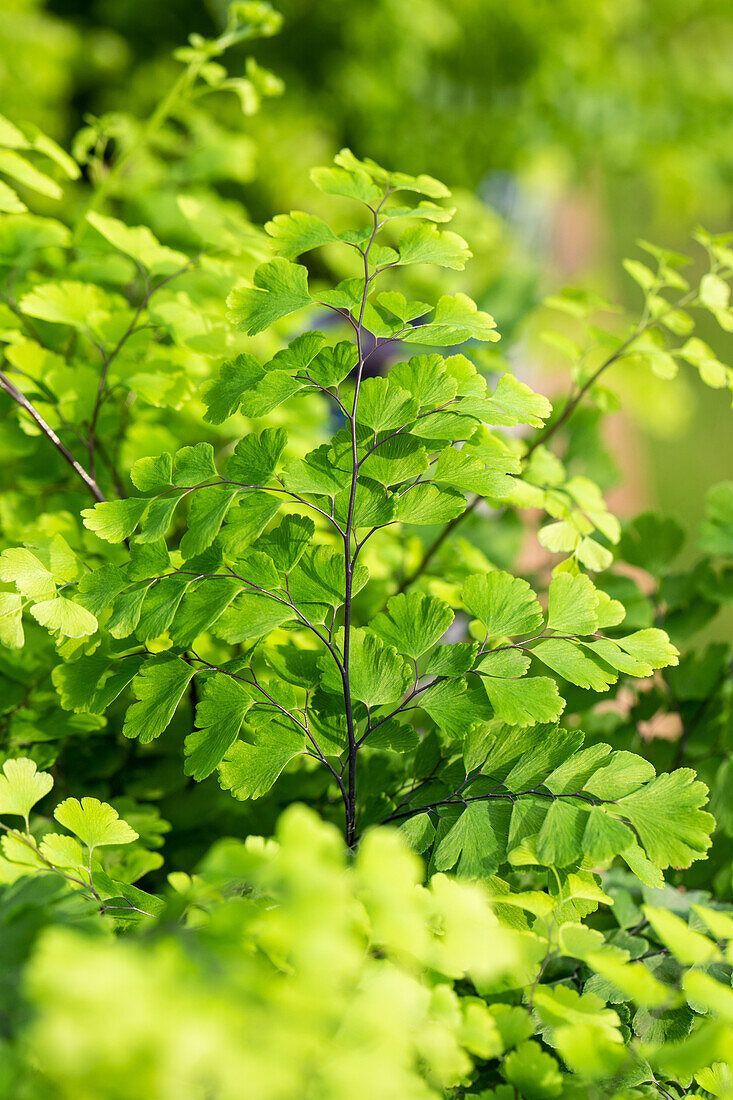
x=245 y=566
x=255 y=592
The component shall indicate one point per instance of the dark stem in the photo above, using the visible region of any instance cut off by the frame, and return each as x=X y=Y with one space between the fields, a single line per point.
x=457 y=800
x=348 y=560
x=22 y=400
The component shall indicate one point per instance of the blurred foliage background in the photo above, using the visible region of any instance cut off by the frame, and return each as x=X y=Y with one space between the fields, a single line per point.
x=567 y=129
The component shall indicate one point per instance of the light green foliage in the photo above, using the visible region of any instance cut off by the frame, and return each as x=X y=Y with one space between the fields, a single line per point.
x=312 y=596
x=93 y=822
x=96 y=824
x=415 y=442
x=428 y=976
x=21 y=786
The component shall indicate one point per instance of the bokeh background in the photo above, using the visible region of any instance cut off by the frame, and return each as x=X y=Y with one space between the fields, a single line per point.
x=567 y=129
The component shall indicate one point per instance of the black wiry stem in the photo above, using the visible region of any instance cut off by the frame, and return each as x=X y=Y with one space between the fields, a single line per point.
x=348 y=560
x=511 y=796
x=20 y=399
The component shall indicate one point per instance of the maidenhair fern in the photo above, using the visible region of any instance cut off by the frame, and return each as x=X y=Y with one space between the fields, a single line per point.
x=244 y=571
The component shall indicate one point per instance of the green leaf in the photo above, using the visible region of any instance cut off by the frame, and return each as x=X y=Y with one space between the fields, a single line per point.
x=155 y=523
x=126 y=612
x=297 y=232
x=592 y=555
x=255 y=457
x=456 y=319
x=372 y=508
x=246 y=521
x=572 y=605
x=691 y=948
x=605 y=836
x=651 y=542
x=393 y=736
x=505 y=605
x=63 y=851
x=249 y=770
x=320 y=578
x=21 y=786
x=475 y=845
x=452 y=660
x=377 y=673
x=286 y=543
x=9 y=200
x=350 y=184
x=205 y=515
x=219 y=716
x=699 y=355
x=560 y=839
x=426 y=503
x=66 y=303
x=471 y=474
x=514 y=403
x=30 y=576
x=714 y=292
x=419 y=832
x=456 y=707
x=568 y=660
x=510 y=663
x=427 y=379
x=652 y=646
x=160 y=605
x=412 y=622
x=86 y=687
x=572 y=773
x=610 y=652
x=641 y=274
x=424 y=244
x=296 y=666
x=317 y=473
x=333 y=364
x=153 y=473
x=18 y=168
x=115 y=520
x=298 y=355
x=524 y=702
x=94 y=822
x=223 y=396
x=252 y=615
x=533 y=1072
x=69 y=618
x=271 y=391
x=139 y=243
x=384 y=405
x=280 y=288
x=395 y=303
x=159 y=688
x=532 y=754
x=623 y=773
x=11 y=136
x=396 y=460
x=201 y=608
x=11 y=620
x=345 y=297
x=193 y=465
x=667 y=816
